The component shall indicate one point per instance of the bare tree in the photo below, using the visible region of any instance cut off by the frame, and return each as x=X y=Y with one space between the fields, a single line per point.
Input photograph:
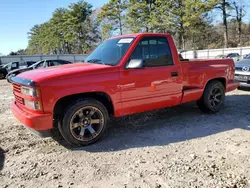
x=239 y=14
x=223 y=6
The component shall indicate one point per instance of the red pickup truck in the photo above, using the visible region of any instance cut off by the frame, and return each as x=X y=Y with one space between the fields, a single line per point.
x=124 y=75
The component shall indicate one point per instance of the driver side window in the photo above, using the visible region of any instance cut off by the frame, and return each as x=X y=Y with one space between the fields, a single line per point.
x=155 y=51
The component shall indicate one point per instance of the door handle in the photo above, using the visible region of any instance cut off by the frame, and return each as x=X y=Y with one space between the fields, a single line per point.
x=174 y=74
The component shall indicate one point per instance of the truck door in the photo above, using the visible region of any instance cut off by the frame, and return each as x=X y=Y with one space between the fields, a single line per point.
x=158 y=84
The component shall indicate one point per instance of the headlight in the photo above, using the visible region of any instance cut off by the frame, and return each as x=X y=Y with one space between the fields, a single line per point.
x=35 y=105
x=33 y=92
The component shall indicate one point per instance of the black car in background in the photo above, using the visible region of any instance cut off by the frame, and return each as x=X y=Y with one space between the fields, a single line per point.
x=38 y=65
x=4 y=69
x=234 y=56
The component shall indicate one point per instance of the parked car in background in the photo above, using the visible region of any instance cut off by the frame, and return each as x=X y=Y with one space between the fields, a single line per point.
x=12 y=66
x=18 y=65
x=37 y=65
x=242 y=72
x=220 y=56
x=3 y=71
x=246 y=56
x=29 y=63
x=181 y=58
x=234 y=56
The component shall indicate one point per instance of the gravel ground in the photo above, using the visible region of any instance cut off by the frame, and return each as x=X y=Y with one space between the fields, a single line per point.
x=174 y=147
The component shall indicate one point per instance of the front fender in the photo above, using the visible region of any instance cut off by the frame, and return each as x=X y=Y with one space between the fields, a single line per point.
x=56 y=90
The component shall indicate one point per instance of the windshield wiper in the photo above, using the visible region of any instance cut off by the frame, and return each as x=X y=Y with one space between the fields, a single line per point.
x=96 y=61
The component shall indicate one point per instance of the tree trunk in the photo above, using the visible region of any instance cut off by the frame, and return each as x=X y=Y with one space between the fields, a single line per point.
x=239 y=34
x=182 y=36
x=120 y=20
x=150 y=2
x=183 y=41
x=68 y=48
x=239 y=26
x=239 y=15
x=120 y=24
x=224 y=14
x=179 y=40
x=182 y=29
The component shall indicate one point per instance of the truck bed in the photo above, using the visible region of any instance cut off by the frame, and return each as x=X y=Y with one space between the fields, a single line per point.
x=197 y=72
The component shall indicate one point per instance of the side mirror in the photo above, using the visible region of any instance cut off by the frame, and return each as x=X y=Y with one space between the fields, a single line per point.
x=135 y=64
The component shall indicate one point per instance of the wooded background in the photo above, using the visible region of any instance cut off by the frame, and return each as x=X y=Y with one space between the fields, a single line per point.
x=194 y=24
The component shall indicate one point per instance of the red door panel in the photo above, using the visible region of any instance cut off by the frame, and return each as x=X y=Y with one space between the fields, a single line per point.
x=150 y=88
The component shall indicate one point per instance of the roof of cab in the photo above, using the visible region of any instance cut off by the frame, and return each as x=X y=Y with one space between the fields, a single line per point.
x=138 y=34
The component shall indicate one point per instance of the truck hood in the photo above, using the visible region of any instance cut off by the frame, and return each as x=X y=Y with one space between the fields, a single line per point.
x=75 y=69
x=243 y=63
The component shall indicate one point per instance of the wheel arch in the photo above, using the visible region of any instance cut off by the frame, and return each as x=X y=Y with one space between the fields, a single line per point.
x=64 y=102
x=220 y=79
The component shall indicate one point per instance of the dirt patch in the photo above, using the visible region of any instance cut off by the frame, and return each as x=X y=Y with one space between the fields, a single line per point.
x=174 y=147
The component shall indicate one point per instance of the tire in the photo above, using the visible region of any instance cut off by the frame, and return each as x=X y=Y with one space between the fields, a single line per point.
x=213 y=97
x=84 y=122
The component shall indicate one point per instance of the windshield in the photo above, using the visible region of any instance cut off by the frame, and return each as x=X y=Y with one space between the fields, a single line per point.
x=6 y=65
x=110 y=51
x=247 y=56
x=33 y=65
x=232 y=55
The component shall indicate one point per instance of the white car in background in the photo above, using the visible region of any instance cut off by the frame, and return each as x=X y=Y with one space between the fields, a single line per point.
x=242 y=72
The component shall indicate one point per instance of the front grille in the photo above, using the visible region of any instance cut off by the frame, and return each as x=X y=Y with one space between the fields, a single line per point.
x=238 y=68
x=17 y=88
x=244 y=69
x=19 y=99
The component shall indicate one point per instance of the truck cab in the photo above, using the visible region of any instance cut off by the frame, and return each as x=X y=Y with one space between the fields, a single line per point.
x=124 y=75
